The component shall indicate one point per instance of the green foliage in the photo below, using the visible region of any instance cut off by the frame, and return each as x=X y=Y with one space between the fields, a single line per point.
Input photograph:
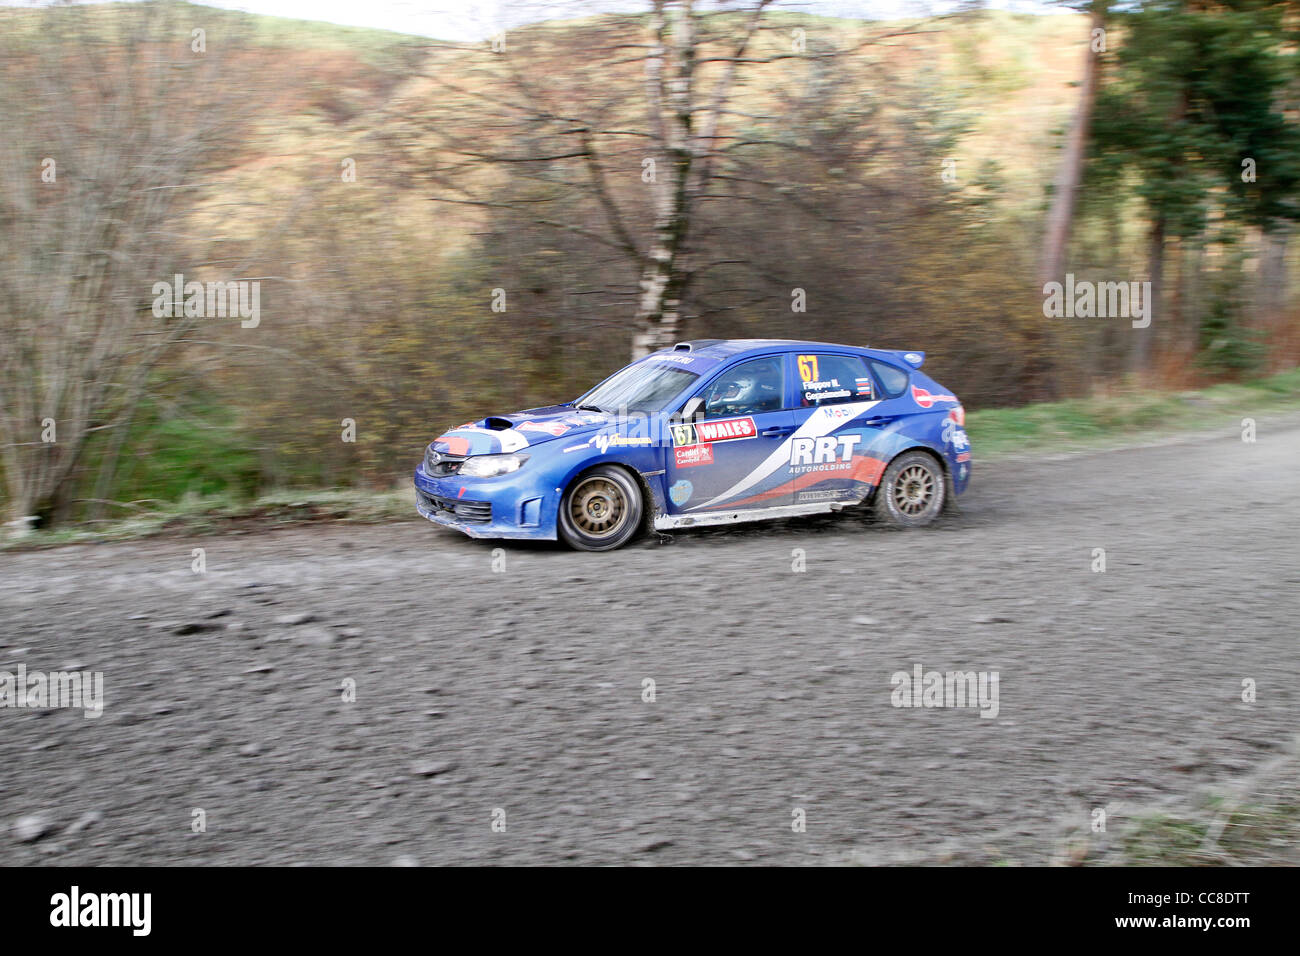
x=193 y=446
x=1096 y=422
x=1191 y=94
x=1250 y=835
x=1226 y=344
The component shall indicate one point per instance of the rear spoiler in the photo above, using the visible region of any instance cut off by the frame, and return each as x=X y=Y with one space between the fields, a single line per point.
x=914 y=359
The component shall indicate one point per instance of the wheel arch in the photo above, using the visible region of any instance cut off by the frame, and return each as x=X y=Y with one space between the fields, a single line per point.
x=651 y=504
x=922 y=447
x=945 y=468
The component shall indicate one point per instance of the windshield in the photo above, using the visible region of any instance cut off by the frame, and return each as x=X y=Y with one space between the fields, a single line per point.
x=644 y=387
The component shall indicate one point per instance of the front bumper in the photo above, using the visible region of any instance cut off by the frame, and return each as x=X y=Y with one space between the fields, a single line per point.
x=509 y=506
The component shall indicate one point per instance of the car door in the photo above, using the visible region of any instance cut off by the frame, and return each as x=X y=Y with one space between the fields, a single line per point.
x=726 y=457
x=837 y=449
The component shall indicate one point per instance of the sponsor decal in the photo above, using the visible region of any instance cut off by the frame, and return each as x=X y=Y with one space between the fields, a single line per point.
x=508 y=438
x=676 y=359
x=723 y=429
x=456 y=444
x=680 y=492
x=954 y=435
x=551 y=428
x=683 y=434
x=606 y=442
x=963 y=456
x=828 y=495
x=925 y=399
x=863 y=469
x=864 y=386
x=580 y=447
x=691 y=455
x=826 y=453
x=511 y=440
x=958 y=415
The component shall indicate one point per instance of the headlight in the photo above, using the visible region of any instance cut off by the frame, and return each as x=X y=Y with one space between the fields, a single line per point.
x=489 y=466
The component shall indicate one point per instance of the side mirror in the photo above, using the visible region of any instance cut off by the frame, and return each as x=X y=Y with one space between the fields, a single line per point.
x=692 y=408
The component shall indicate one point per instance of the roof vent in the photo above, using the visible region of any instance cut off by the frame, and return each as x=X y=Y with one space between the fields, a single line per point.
x=682 y=347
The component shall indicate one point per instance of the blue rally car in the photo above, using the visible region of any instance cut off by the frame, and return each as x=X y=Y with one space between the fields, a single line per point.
x=707 y=432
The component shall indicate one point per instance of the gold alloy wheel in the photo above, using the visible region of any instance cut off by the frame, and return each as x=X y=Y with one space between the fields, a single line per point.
x=598 y=507
x=913 y=490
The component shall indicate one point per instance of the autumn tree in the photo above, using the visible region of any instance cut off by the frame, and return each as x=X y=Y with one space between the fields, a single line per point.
x=113 y=121
x=623 y=136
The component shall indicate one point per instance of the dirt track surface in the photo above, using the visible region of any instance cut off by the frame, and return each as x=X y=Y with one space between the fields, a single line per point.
x=521 y=689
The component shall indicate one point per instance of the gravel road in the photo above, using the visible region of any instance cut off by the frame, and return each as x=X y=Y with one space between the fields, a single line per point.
x=508 y=685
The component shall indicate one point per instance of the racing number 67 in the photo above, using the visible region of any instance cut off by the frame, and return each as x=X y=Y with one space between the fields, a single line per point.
x=808 y=368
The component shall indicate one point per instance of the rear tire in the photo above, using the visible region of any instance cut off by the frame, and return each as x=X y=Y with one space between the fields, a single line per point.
x=911 y=492
x=601 y=510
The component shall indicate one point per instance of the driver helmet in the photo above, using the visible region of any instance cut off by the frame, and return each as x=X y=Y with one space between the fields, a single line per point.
x=746 y=389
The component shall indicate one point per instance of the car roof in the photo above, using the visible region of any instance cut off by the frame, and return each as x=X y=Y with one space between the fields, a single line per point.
x=737 y=348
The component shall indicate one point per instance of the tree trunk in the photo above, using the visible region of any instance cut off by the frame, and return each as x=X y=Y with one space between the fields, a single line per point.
x=1060 y=218
x=1140 y=355
x=688 y=157
x=658 y=318
x=1192 y=296
x=1270 y=295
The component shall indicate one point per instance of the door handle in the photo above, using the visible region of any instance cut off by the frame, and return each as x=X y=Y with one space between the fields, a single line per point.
x=776 y=431
x=882 y=420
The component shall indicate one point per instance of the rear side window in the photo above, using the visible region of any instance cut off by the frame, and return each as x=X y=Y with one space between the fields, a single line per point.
x=829 y=379
x=893 y=379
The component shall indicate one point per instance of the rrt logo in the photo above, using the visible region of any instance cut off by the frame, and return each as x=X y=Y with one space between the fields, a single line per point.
x=822 y=451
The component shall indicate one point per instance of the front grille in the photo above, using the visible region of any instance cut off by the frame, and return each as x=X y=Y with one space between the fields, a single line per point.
x=439 y=465
x=475 y=511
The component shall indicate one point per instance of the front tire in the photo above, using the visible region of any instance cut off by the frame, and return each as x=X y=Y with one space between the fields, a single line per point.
x=911 y=492
x=601 y=510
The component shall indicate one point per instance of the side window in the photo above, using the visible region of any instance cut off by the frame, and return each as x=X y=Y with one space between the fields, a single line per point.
x=829 y=379
x=893 y=379
x=749 y=388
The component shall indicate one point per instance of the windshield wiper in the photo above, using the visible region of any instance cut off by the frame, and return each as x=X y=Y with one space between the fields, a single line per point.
x=590 y=408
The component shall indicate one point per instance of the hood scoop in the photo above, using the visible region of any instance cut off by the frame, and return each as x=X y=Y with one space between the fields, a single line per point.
x=498 y=424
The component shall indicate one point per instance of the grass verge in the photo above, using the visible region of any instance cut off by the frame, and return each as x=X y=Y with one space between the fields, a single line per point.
x=213 y=514
x=1116 y=419
x=1251 y=821
x=1249 y=836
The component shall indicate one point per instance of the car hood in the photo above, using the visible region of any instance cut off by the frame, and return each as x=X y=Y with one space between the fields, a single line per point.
x=518 y=430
